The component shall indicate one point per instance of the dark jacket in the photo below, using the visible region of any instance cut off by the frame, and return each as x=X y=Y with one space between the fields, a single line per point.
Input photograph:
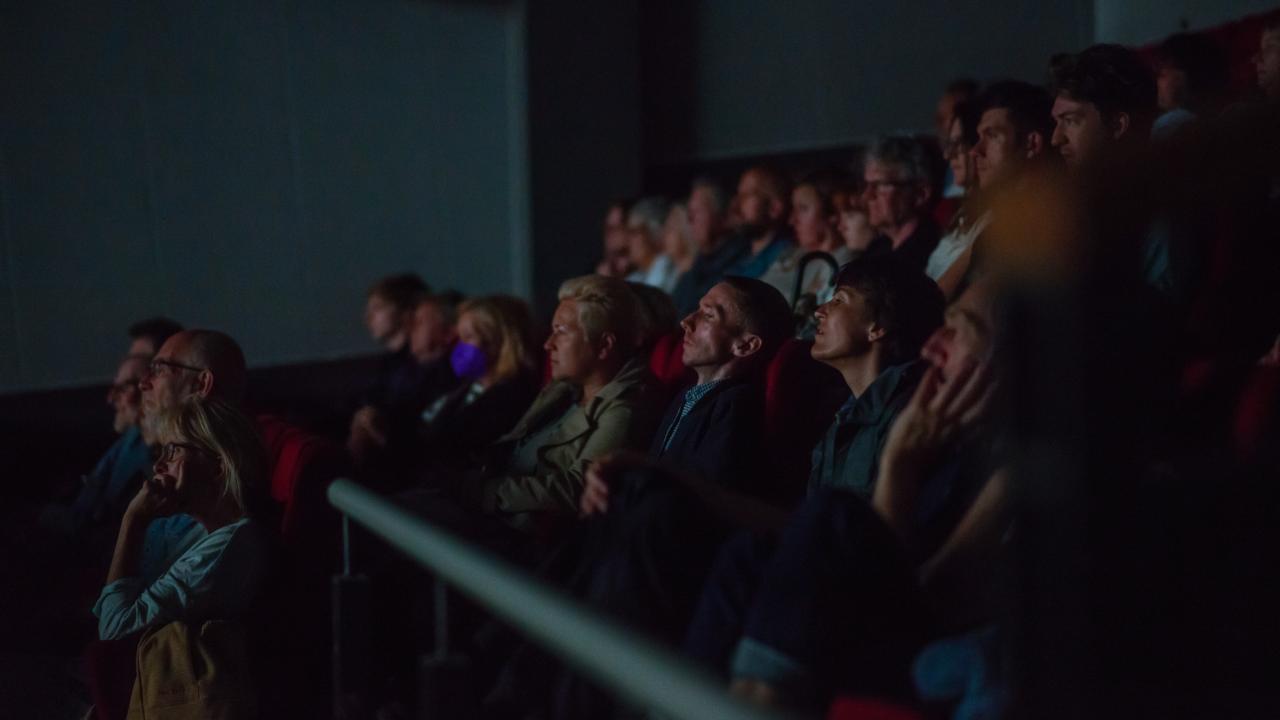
x=459 y=434
x=722 y=438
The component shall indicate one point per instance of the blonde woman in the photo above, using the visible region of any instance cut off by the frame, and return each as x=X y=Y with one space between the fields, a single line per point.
x=496 y=360
x=212 y=467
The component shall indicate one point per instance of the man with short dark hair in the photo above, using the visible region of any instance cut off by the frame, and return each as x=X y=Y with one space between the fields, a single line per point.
x=1014 y=129
x=1104 y=104
x=900 y=190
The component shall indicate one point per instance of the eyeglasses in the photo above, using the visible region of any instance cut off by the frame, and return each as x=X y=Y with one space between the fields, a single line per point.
x=159 y=368
x=169 y=452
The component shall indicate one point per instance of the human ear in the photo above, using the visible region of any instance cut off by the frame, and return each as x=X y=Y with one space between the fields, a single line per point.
x=1119 y=125
x=204 y=383
x=875 y=334
x=607 y=343
x=747 y=345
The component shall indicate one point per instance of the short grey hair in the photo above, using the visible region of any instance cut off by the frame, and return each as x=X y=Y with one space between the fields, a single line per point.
x=906 y=153
x=710 y=185
x=651 y=212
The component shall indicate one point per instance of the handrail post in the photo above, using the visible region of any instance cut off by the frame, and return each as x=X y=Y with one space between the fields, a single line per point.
x=351 y=646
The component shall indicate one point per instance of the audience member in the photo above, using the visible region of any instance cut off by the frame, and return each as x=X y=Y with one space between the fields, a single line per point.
x=1191 y=80
x=856 y=587
x=644 y=243
x=404 y=384
x=108 y=488
x=213 y=468
x=601 y=399
x=642 y=555
x=963 y=228
x=613 y=260
x=1104 y=105
x=761 y=207
x=899 y=191
x=678 y=243
x=495 y=357
x=431 y=333
x=813 y=222
x=1014 y=128
x=957 y=93
x=871 y=332
x=718 y=247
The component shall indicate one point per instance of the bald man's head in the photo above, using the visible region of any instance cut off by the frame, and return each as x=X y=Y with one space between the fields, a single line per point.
x=193 y=362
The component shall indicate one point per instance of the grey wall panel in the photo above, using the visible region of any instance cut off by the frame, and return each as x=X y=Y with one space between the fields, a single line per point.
x=251 y=165
x=1138 y=22
x=755 y=76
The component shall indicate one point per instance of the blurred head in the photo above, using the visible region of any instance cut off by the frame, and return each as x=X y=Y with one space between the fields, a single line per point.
x=1191 y=72
x=500 y=327
x=212 y=454
x=595 y=329
x=740 y=320
x=706 y=213
x=146 y=336
x=958 y=91
x=433 y=327
x=1104 y=96
x=124 y=396
x=644 y=230
x=966 y=335
x=813 y=213
x=1267 y=61
x=880 y=305
x=958 y=144
x=761 y=201
x=1014 y=127
x=677 y=241
x=204 y=363
x=657 y=312
x=898 y=182
x=389 y=308
x=615 y=228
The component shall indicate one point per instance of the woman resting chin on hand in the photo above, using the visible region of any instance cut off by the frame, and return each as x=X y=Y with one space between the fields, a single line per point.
x=213 y=468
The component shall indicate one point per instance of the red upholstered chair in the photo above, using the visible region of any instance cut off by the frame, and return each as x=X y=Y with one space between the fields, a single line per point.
x=945 y=211
x=869 y=709
x=666 y=360
x=1256 y=417
x=109 y=671
x=801 y=397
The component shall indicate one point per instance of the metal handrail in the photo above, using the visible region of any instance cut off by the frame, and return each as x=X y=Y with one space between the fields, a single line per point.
x=630 y=664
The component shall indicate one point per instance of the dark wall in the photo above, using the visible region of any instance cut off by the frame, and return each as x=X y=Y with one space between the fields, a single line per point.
x=250 y=165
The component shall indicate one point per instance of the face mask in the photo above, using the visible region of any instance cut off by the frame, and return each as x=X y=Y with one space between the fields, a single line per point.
x=468 y=361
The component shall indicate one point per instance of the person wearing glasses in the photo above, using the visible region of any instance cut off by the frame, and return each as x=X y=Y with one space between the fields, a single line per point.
x=212 y=467
x=203 y=363
x=899 y=192
x=107 y=489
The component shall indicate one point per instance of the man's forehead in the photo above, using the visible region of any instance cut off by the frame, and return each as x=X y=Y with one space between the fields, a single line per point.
x=175 y=347
x=130 y=368
x=1066 y=104
x=993 y=117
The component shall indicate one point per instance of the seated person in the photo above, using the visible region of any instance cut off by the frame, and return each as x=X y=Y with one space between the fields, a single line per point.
x=643 y=555
x=494 y=355
x=601 y=398
x=431 y=332
x=856 y=588
x=644 y=244
x=969 y=220
x=899 y=195
x=212 y=467
x=404 y=385
x=814 y=222
x=871 y=332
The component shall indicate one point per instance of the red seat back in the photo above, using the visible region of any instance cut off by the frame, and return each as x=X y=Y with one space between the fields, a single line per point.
x=302 y=467
x=801 y=397
x=869 y=709
x=1255 y=421
x=666 y=360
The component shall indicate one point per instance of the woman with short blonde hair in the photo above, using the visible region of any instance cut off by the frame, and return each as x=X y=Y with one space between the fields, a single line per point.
x=212 y=467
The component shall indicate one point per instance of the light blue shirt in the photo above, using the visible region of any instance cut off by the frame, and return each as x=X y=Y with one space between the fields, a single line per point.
x=217 y=577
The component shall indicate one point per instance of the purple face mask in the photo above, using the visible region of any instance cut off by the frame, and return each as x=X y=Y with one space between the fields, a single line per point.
x=468 y=361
